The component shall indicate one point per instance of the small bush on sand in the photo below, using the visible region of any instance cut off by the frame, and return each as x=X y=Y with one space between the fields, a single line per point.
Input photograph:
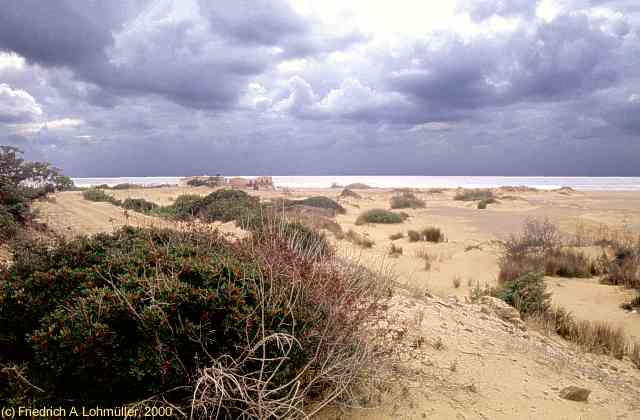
x=432 y=234
x=475 y=195
x=94 y=194
x=357 y=239
x=429 y=234
x=482 y=204
x=414 y=236
x=396 y=236
x=378 y=216
x=139 y=204
x=323 y=203
x=428 y=258
x=220 y=205
x=347 y=193
x=624 y=268
x=526 y=293
x=457 y=282
x=407 y=200
x=125 y=186
x=185 y=319
x=395 y=251
x=563 y=263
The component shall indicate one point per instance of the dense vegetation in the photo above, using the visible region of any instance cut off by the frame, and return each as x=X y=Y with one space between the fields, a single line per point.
x=484 y=195
x=186 y=319
x=21 y=182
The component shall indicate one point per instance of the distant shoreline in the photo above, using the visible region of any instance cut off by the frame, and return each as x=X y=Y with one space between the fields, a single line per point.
x=322 y=182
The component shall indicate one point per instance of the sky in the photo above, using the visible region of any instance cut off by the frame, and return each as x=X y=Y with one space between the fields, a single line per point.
x=323 y=87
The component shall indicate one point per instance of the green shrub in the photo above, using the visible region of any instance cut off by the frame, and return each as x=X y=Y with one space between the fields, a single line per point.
x=206 y=181
x=321 y=202
x=167 y=317
x=139 y=204
x=407 y=200
x=485 y=195
x=482 y=204
x=185 y=206
x=94 y=194
x=526 y=293
x=379 y=216
x=220 y=205
x=8 y=225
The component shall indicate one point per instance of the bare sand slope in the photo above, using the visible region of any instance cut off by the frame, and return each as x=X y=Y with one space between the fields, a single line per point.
x=473 y=365
x=69 y=214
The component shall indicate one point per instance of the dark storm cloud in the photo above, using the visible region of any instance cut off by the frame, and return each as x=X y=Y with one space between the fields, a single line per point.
x=198 y=60
x=189 y=87
x=567 y=57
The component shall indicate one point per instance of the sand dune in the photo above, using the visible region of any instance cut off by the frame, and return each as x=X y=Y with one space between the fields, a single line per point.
x=486 y=368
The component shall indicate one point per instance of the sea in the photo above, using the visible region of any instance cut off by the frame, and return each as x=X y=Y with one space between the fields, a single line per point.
x=540 y=182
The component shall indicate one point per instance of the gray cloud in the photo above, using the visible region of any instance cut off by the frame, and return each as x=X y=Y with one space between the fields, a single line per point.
x=173 y=88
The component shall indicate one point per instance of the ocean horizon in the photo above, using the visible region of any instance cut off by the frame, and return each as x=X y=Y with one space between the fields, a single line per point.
x=540 y=182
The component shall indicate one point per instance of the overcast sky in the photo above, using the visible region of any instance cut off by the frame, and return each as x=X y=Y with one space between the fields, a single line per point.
x=320 y=87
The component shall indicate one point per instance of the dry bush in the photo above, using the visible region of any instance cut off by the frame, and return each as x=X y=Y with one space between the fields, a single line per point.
x=432 y=234
x=396 y=236
x=407 y=200
x=594 y=337
x=395 y=251
x=414 y=236
x=357 y=239
x=428 y=258
x=634 y=354
x=563 y=263
x=346 y=296
x=475 y=195
x=456 y=282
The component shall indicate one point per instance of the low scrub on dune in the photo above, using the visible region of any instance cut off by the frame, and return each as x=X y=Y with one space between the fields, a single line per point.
x=396 y=236
x=428 y=234
x=139 y=204
x=347 y=193
x=624 y=268
x=98 y=195
x=357 y=186
x=379 y=216
x=539 y=249
x=478 y=194
x=330 y=207
x=220 y=205
x=526 y=259
x=321 y=202
x=407 y=200
x=358 y=239
x=186 y=320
